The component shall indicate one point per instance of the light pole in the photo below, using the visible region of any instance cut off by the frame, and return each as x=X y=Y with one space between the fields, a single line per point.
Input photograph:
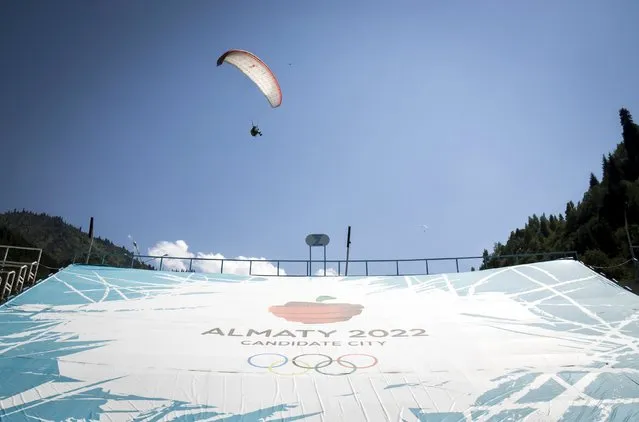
x=137 y=251
x=162 y=260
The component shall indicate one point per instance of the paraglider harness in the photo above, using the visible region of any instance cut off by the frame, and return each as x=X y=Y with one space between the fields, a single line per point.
x=255 y=131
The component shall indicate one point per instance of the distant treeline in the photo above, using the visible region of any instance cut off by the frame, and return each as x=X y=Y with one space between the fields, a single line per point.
x=62 y=243
x=602 y=228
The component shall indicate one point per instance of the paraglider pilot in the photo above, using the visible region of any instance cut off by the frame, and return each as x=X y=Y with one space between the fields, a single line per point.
x=255 y=131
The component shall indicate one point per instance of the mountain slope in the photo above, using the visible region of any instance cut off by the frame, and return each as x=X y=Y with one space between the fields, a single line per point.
x=62 y=243
x=603 y=228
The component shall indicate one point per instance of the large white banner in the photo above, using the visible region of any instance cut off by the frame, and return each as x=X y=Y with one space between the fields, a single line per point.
x=540 y=342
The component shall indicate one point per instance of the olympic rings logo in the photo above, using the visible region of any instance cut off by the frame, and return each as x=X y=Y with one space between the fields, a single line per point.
x=312 y=361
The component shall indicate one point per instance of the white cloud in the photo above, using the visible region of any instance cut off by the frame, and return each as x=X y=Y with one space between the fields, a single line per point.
x=330 y=272
x=207 y=262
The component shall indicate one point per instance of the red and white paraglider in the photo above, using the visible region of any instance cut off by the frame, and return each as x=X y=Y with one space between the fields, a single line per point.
x=258 y=72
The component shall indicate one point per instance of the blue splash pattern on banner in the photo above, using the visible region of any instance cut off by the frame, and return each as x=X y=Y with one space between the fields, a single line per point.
x=567 y=297
x=31 y=342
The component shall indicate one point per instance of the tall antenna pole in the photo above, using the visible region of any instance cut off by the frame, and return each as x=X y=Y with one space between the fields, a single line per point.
x=348 y=248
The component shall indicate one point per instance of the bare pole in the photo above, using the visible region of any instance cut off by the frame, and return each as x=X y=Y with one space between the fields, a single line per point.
x=90 y=244
x=632 y=250
x=348 y=248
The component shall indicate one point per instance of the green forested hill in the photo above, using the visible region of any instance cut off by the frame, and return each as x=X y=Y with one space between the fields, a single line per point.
x=601 y=227
x=61 y=243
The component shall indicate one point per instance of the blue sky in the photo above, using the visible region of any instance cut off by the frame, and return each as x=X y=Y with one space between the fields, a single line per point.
x=465 y=116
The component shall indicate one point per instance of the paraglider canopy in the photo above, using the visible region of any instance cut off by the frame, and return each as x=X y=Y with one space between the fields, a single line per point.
x=257 y=71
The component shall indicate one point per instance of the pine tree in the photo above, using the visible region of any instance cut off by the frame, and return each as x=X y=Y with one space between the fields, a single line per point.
x=630 y=134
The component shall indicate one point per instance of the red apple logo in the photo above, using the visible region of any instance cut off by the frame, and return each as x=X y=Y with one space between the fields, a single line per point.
x=316 y=312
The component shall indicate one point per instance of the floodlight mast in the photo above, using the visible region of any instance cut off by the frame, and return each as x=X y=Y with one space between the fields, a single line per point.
x=137 y=251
